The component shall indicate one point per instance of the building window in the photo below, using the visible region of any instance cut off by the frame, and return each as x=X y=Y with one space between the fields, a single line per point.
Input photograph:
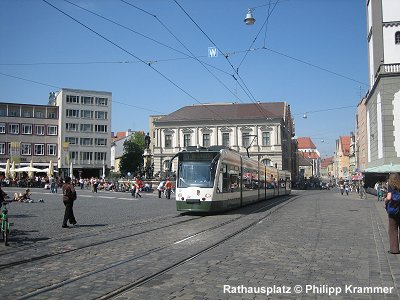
x=101 y=115
x=2 y=127
x=86 y=157
x=206 y=140
x=71 y=140
x=51 y=149
x=51 y=130
x=100 y=156
x=13 y=129
x=2 y=112
x=168 y=141
x=72 y=113
x=87 y=100
x=26 y=128
x=26 y=114
x=73 y=156
x=100 y=128
x=397 y=38
x=186 y=140
x=87 y=127
x=39 y=149
x=245 y=139
x=266 y=139
x=39 y=129
x=2 y=148
x=39 y=114
x=267 y=162
x=87 y=114
x=225 y=139
x=72 y=99
x=51 y=115
x=13 y=113
x=101 y=101
x=86 y=142
x=100 y=142
x=26 y=149
x=71 y=127
x=166 y=164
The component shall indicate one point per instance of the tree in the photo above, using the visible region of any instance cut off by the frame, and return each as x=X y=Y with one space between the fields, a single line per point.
x=132 y=159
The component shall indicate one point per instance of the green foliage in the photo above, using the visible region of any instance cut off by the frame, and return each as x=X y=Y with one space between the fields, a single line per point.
x=133 y=154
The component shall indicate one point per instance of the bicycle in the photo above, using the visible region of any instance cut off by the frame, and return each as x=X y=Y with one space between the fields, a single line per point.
x=5 y=224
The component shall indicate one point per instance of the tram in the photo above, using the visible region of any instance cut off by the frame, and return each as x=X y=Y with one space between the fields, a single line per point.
x=216 y=179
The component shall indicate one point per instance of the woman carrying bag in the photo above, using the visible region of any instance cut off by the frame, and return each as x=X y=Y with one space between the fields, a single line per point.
x=392 y=204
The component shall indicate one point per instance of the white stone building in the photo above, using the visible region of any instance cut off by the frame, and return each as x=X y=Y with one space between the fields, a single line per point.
x=383 y=99
x=265 y=129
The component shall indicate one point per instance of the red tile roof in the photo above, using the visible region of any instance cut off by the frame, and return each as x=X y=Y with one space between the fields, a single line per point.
x=325 y=162
x=345 y=142
x=311 y=155
x=305 y=143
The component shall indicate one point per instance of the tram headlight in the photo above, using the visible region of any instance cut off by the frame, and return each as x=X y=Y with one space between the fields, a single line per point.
x=208 y=196
x=180 y=195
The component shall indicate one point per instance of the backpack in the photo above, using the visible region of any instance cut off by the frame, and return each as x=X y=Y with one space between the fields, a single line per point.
x=393 y=206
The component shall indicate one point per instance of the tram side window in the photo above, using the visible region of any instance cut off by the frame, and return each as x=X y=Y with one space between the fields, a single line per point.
x=250 y=179
x=229 y=176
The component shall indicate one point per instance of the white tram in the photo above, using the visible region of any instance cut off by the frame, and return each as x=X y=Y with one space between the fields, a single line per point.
x=214 y=179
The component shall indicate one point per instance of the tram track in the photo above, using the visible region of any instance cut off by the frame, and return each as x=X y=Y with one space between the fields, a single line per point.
x=279 y=203
x=66 y=251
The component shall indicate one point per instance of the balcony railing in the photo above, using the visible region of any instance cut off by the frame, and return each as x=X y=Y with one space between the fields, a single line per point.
x=387 y=69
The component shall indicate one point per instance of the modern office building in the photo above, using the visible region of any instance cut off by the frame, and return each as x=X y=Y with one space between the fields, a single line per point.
x=85 y=131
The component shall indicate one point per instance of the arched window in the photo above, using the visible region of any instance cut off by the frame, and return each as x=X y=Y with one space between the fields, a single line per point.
x=397 y=38
x=267 y=162
x=166 y=165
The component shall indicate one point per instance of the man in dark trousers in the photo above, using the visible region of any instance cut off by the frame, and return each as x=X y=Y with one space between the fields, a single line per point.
x=69 y=196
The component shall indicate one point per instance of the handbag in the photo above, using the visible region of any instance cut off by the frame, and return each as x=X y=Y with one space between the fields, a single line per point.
x=393 y=206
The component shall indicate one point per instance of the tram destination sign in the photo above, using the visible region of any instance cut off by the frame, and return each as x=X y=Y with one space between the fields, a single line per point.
x=198 y=156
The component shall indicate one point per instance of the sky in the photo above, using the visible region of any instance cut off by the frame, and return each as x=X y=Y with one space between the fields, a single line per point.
x=153 y=56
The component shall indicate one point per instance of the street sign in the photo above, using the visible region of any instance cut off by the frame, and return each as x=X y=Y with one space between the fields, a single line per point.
x=212 y=52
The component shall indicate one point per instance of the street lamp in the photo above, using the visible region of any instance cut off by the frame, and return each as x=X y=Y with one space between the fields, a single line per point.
x=249 y=20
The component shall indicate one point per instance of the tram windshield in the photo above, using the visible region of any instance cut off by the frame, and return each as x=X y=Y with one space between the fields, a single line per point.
x=195 y=173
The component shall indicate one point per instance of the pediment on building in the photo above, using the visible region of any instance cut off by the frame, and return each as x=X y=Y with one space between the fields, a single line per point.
x=246 y=128
x=187 y=130
x=266 y=128
x=168 y=131
x=206 y=129
x=225 y=129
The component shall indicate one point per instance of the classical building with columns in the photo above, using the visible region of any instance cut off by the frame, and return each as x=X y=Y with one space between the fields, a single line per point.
x=265 y=129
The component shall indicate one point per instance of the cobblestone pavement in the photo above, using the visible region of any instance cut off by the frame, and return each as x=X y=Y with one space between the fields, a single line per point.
x=320 y=242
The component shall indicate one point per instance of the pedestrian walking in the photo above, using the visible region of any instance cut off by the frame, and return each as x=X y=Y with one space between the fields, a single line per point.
x=379 y=192
x=69 y=196
x=168 y=188
x=160 y=188
x=347 y=189
x=342 y=188
x=392 y=199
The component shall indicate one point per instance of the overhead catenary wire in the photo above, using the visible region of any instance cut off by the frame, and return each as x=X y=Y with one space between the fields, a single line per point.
x=193 y=56
x=247 y=91
x=136 y=57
